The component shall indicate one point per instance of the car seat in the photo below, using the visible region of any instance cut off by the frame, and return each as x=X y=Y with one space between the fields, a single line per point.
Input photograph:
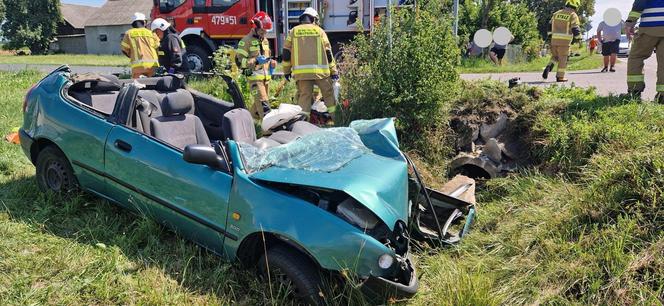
x=176 y=126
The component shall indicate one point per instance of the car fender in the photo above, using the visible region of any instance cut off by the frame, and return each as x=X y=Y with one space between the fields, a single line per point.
x=330 y=241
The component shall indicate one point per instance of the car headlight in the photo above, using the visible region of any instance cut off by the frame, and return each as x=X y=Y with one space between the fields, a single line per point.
x=385 y=261
x=356 y=214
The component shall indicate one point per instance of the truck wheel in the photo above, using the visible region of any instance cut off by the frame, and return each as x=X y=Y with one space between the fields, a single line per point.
x=198 y=59
x=291 y=268
x=54 y=173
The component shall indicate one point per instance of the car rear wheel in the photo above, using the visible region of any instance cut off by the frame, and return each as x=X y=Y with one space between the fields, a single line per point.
x=54 y=173
x=291 y=269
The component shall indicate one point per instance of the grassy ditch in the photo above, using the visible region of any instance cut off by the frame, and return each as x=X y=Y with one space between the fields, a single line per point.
x=582 y=226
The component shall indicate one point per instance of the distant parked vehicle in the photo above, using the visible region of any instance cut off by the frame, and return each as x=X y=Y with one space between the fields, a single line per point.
x=625 y=45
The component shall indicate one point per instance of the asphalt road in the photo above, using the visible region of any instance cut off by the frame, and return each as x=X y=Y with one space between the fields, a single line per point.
x=606 y=83
x=75 y=69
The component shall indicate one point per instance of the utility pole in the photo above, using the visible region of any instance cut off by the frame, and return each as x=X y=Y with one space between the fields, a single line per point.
x=456 y=18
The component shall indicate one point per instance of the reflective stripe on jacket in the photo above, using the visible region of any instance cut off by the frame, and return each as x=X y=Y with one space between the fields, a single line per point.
x=309 y=47
x=140 y=45
x=652 y=14
x=564 y=26
x=248 y=49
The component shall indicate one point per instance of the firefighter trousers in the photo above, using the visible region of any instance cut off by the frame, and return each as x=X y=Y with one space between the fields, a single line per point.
x=642 y=48
x=559 y=54
x=259 y=90
x=305 y=93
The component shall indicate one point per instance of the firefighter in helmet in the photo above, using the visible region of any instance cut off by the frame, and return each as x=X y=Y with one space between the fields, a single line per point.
x=171 y=49
x=307 y=57
x=140 y=46
x=650 y=37
x=565 y=31
x=254 y=58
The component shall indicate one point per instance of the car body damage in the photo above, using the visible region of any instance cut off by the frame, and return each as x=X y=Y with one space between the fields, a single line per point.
x=339 y=200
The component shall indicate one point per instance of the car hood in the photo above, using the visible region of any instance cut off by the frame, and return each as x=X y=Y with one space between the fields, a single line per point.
x=379 y=183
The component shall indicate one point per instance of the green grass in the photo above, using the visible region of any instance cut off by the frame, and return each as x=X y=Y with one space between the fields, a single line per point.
x=480 y=65
x=69 y=59
x=583 y=226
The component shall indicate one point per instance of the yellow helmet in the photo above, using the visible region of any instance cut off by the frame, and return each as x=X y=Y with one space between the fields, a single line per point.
x=573 y=3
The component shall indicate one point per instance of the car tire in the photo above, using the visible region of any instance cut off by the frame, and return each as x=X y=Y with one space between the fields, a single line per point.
x=292 y=268
x=54 y=173
x=198 y=59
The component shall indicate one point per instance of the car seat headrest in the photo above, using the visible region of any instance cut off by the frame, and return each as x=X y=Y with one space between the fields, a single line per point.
x=238 y=125
x=168 y=84
x=177 y=103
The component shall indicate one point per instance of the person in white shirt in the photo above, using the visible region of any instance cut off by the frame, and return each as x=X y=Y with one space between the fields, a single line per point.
x=610 y=38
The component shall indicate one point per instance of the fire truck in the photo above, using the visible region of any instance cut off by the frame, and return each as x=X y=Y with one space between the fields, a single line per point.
x=205 y=25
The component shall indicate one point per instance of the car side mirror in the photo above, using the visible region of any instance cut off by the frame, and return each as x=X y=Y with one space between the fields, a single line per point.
x=204 y=155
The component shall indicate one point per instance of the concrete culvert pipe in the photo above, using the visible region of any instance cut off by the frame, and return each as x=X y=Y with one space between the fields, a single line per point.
x=474 y=167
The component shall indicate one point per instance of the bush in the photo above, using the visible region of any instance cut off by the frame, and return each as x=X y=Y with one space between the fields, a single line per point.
x=407 y=73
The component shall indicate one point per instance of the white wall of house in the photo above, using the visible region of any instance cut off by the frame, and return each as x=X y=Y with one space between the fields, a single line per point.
x=105 y=39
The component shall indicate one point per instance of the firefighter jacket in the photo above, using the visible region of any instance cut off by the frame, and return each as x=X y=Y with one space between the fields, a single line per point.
x=171 y=52
x=248 y=49
x=651 y=13
x=140 y=45
x=310 y=53
x=565 y=27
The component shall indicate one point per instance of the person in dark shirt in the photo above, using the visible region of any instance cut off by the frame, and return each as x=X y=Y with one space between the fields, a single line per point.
x=171 y=48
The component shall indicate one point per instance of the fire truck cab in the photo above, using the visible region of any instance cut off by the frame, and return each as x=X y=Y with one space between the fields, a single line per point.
x=204 y=25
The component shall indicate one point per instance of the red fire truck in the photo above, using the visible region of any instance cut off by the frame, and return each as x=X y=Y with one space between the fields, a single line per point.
x=204 y=25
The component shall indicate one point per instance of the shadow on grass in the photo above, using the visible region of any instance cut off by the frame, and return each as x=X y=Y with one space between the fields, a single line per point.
x=88 y=220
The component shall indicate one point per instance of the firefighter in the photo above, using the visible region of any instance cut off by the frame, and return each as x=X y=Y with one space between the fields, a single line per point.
x=565 y=31
x=307 y=57
x=254 y=58
x=171 y=49
x=649 y=37
x=140 y=46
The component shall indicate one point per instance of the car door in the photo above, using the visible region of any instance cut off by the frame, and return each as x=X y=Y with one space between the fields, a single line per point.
x=154 y=179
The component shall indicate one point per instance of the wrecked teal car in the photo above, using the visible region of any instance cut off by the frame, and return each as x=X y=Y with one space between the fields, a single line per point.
x=303 y=203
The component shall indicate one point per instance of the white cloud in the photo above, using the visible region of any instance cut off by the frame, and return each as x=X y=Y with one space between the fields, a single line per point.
x=602 y=5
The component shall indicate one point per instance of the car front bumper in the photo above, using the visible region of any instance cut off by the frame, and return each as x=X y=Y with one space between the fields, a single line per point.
x=403 y=286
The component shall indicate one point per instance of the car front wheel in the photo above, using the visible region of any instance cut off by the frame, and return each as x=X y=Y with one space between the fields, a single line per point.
x=54 y=173
x=291 y=269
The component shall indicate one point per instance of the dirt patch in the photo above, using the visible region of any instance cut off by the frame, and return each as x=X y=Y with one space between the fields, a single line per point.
x=490 y=122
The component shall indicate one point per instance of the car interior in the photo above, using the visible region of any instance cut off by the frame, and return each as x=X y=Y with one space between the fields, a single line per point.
x=169 y=111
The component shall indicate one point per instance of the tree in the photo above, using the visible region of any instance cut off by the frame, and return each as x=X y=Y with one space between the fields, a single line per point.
x=491 y=14
x=31 y=23
x=2 y=11
x=406 y=72
x=544 y=9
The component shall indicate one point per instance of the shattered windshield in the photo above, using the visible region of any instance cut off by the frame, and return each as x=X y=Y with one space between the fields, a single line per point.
x=324 y=151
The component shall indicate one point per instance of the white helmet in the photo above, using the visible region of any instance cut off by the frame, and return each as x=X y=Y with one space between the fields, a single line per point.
x=161 y=24
x=139 y=17
x=311 y=12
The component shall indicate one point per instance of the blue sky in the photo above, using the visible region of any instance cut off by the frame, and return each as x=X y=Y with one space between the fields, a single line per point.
x=602 y=5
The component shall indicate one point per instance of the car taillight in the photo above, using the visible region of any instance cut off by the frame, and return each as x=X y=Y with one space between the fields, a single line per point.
x=27 y=96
